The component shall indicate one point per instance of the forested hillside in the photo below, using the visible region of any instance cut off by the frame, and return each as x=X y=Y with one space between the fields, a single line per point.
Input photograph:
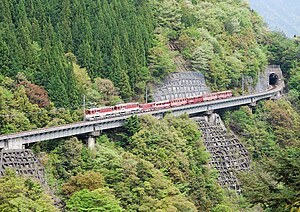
x=109 y=38
x=52 y=53
x=126 y=42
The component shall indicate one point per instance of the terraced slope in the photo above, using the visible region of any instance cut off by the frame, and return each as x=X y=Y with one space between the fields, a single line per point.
x=228 y=153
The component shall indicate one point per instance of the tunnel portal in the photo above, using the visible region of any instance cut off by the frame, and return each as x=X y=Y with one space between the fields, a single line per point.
x=273 y=79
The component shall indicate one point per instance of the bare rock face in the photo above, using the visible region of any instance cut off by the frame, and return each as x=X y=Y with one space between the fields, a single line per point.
x=228 y=154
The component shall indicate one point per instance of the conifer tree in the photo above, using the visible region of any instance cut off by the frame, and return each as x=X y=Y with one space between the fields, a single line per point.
x=65 y=30
x=96 y=68
x=5 y=59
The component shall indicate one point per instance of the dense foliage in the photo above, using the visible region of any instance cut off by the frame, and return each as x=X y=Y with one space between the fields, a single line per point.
x=272 y=135
x=52 y=53
x=26 y=106
x=286 y=53
x=163 y=166
x=220 y=38
x=174 y=147
x=23 y=194
x=127 y=42
x=109 y=38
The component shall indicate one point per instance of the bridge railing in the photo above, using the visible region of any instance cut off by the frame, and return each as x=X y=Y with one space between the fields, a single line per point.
x=90 y=126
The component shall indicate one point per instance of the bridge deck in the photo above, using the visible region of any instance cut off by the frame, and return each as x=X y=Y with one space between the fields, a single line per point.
x=16 y=140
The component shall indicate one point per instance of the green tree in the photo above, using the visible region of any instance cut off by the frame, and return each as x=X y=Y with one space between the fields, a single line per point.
x=70 y=163
x=167 y=13
x=124 y=85
x=132 y=125
x=83 y=81
x=98 y=200
x=271 y=134
x=23 y=194
x=5 y=60
x=274 y=183
x=136 y=183
x=173 y=145
x=89 y=180
x=201 y=58
x=160 y=60
x=66 y=32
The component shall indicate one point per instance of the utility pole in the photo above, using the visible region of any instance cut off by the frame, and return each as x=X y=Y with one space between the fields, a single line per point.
x=83 y=107
x=146 y=94
x=243 y=86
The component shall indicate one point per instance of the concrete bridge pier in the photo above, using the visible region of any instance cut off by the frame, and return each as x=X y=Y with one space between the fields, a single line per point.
x=216 y=120
x=91 y=140
x=14 y=144
x=209 y=112
x=278 y=95
x=253 y=104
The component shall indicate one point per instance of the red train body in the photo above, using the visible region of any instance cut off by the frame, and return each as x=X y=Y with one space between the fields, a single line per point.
x=135 y=107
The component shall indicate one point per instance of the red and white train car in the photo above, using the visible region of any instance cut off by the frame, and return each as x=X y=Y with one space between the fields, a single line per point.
x=135 y=107
x=112 y=111
x=98 y=113
x=147 y=107
x=217 y=95
x=178 y=102
x=224 y=94
x=132 y=107
x=161 y=105
x=195 y=100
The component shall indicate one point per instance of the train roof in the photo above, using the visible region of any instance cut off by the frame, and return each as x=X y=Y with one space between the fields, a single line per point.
x=129 y=103
x=224 y=91
x=97 y=108
x=163 y=101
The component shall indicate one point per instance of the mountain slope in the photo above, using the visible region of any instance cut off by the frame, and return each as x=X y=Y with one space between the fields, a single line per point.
x=280 y=15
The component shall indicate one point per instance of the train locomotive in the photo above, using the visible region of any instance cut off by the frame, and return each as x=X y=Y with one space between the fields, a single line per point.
x=135 y=107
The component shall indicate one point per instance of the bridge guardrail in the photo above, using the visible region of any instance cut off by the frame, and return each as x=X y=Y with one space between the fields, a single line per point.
x=243 y=100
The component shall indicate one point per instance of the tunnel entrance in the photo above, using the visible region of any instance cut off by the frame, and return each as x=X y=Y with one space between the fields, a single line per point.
x=273 y=79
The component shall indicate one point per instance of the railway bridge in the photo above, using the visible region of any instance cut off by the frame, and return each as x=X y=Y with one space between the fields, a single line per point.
x=93 y=128
x=228 y=154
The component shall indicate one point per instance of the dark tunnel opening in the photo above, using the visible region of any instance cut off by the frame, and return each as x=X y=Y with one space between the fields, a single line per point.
x=273 y=79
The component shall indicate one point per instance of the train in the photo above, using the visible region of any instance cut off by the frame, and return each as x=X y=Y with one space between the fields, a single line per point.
x=136 y=107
